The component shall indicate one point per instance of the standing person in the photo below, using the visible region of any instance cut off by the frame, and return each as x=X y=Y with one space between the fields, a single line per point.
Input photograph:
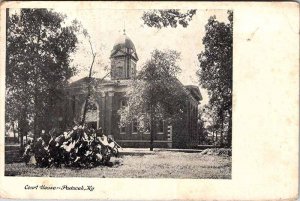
x=45 y=137
x=90 y=133
x=28 y=155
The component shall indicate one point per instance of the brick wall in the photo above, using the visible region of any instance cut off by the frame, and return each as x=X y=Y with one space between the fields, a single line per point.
x=109 y=102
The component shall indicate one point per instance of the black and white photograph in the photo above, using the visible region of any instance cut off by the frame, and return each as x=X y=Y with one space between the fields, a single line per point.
x=118 y=93
x=114 y=100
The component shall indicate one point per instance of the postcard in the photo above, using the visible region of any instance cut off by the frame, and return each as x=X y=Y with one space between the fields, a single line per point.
x=150 y=100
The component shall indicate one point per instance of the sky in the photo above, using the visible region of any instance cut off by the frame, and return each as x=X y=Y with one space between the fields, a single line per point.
x=106 y=25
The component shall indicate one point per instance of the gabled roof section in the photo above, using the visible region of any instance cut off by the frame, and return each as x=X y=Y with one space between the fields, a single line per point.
x=117 y=53
x=84 y=81
x=122 y=45
x=121 y=52
x=191 y=90
x=195 y=91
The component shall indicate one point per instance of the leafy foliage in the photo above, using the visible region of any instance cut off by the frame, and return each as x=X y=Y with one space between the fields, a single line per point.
x=168 y=17
x=155 y=93
x=215 y=73
x=39 y=45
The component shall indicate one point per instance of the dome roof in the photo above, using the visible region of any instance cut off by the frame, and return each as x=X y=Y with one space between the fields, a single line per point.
x=123 y=41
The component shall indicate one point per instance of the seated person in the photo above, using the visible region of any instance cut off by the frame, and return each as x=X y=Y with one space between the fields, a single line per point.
x=101 y=137
x=104 y=140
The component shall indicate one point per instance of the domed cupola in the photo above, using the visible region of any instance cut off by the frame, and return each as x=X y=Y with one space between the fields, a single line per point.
x=123 y=58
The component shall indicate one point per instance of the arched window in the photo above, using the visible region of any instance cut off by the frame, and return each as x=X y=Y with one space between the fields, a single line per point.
x=92 y=114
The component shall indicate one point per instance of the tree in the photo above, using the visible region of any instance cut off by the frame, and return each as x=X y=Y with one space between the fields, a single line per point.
x=39 y=46
x=155 y=94
x=215 y=73
x=212 y=123
x=168 y=17
x=89 y=81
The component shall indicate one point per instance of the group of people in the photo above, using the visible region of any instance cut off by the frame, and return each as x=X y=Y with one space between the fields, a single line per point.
x=79 y=147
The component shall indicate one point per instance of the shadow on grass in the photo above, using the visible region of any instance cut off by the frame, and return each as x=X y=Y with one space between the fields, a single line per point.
x=11 y=173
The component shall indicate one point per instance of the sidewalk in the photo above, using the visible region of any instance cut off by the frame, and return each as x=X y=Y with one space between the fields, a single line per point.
x=144 y=151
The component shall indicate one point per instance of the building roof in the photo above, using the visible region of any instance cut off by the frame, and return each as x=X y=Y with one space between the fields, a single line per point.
x=194 y=91
x=84 y=81
x=120 y=46
x=191 y=90
x=123 y=41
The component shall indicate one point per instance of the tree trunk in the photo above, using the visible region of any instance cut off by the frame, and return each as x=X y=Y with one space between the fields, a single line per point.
x=222 y=130
x=20 y=131
x=35 y=130
x=13 y=130
x=22 y=144
x=86 y=104
x=17 y=129
x=89 y=86
x=151 y=136
x=151 y=129
x=37 y=109
x=36 y=90
x=229 y=139
x=151 y=139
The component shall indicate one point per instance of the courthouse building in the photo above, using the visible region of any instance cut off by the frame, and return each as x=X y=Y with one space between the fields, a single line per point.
x=110 y=97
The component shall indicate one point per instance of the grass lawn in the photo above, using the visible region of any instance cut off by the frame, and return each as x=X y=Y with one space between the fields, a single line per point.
x=162 y=164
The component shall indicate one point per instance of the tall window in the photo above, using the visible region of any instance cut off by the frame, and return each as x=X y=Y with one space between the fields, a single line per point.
x=123 y=103
x=119 y=71
x=160 y=127
x=122 y=130
x=147 y=128
x=134 y=126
